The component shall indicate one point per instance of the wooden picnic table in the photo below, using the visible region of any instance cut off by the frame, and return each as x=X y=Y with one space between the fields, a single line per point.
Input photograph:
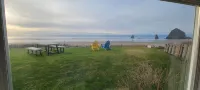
x=49 y=46
x=34 y=50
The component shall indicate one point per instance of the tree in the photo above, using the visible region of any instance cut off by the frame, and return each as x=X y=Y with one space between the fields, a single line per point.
x=132 y=37
x=156 y=37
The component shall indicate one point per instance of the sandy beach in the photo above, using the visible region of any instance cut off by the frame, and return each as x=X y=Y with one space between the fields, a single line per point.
x=158 y=42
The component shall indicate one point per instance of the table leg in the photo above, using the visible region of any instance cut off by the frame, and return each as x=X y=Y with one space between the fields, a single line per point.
x=36 y=53
x=57 y=48
x=60 y=50
x=48 y=50
x=41 y=52
x=37 y=45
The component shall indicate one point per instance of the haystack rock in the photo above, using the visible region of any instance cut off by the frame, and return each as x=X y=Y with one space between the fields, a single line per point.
x=177 y=34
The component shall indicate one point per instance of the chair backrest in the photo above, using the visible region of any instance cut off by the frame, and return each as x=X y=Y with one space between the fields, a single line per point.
x=95 y=44
x=107 y=44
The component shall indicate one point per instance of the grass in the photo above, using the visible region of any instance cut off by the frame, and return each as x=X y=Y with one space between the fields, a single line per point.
x=83 y=69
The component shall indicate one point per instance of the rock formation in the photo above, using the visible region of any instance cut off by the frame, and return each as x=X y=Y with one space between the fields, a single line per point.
x=177 y=34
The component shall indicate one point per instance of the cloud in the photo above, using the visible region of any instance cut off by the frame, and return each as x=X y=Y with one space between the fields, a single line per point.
x=97 y=16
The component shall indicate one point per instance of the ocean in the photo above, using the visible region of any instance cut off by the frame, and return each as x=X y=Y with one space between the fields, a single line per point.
x=83 y=38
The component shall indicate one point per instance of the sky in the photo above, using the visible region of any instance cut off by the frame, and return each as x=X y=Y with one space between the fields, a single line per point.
x=48 y=17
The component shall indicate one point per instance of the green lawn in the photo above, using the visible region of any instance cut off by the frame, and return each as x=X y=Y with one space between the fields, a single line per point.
x=82 y=69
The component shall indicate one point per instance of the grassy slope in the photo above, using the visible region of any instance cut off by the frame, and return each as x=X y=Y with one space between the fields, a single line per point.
x=80 y=68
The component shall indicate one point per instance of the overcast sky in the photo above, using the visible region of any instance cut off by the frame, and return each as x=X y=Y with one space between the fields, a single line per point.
x=97 y=17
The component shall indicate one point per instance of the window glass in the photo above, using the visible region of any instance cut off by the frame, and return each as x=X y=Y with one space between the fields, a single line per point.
x=99 y=44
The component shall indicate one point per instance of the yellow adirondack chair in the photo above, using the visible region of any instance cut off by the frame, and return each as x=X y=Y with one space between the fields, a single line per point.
x=95 y=46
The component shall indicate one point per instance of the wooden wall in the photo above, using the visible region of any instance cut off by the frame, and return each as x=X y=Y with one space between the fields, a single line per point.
x=182 y=51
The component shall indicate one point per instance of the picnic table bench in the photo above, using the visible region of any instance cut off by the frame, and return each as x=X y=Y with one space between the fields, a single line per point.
x=62 y=48
x=34 y=50
x=51 y=48
x=59 y=48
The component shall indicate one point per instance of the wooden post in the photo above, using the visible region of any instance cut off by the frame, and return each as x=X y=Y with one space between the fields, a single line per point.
x=166 y=47
x=170 y=48
x=188 y=54
x=173 y=49
x=176 y=51
x=185 y=50
x=181 y=50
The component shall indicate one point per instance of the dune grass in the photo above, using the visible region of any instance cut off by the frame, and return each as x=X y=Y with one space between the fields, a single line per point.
x=83 y=69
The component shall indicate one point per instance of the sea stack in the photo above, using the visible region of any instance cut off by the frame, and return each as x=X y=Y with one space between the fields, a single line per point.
x=177 y=34
x=156 y=37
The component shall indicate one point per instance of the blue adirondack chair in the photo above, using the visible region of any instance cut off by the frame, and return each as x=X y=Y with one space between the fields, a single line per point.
x=106 y=45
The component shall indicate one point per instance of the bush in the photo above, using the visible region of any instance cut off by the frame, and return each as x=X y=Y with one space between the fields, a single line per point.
x=143 y=77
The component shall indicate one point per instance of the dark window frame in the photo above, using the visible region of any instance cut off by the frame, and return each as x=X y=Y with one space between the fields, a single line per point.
x=5 y=71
